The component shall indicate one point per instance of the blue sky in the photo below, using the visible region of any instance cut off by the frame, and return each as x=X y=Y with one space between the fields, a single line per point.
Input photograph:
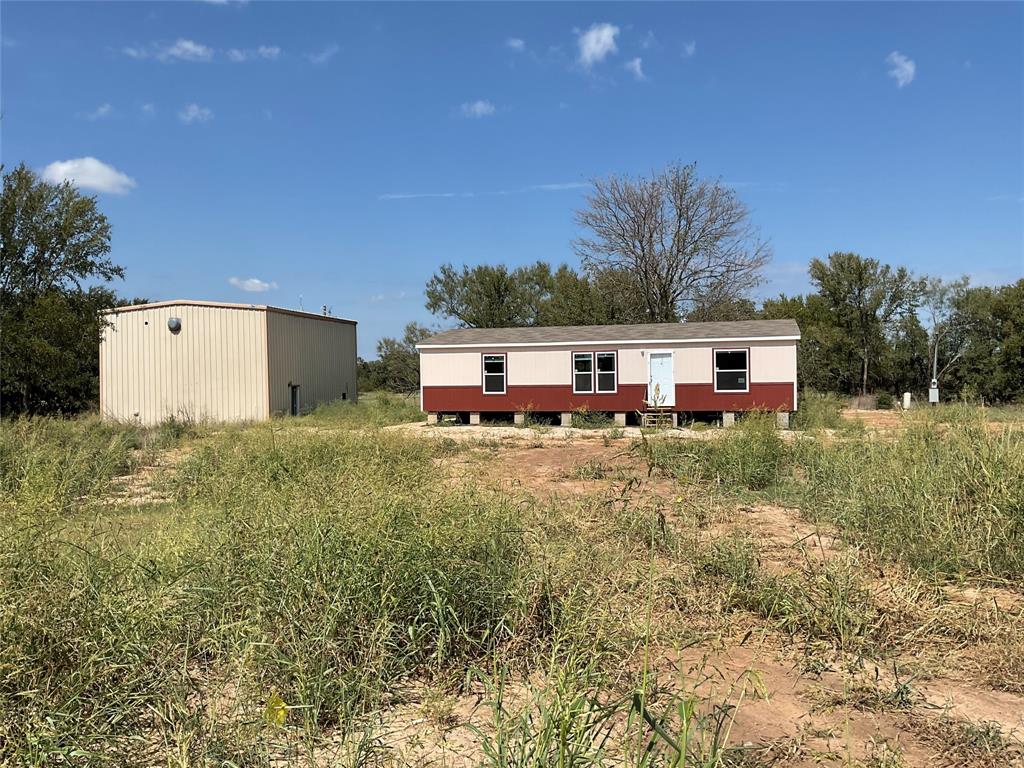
x=341 y=152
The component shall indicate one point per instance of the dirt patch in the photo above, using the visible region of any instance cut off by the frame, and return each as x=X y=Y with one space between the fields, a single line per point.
x=784 y=539
x=141 y=486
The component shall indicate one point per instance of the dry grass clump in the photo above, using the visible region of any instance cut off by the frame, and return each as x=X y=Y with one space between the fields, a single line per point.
x=750 y=456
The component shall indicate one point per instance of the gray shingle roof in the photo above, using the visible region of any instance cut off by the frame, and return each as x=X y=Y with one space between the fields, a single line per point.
x=577 y=334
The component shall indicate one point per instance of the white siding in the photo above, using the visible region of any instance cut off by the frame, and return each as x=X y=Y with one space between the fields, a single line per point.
x=317 y=354
x=214 y=369
x=450 y=369
x=772 y=361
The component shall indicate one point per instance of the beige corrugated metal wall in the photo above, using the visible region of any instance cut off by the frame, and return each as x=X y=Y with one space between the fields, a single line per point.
x=214 y=369
x=317 y=354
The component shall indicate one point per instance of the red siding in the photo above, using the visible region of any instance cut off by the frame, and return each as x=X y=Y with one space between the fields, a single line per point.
x=767 y=396
x=630 y=397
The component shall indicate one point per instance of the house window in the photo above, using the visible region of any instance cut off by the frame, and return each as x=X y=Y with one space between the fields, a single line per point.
x=494 y=374
x=606 y=381
x=582 y=372
x=732 y=370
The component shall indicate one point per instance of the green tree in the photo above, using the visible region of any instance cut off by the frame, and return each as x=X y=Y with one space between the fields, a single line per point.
x=490 y=296
x=903 y=365
x=608 y=297
x=398 y=363
x=865 y=298
x=990 y=326
x=54 y=243
x=727 y=308
x=827 y=360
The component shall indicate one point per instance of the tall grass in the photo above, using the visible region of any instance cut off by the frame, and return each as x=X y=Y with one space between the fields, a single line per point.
x=308 y=568
x=373 y=409
x=818 y=410
x=944 y=497
x=749 y=456
x=52 y=465
x=947 y=500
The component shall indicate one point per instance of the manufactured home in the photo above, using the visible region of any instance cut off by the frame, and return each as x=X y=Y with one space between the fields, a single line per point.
x=213 y=361
x=722 y=367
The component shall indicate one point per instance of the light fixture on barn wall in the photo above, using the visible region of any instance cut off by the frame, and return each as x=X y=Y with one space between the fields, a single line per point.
x=174 y=325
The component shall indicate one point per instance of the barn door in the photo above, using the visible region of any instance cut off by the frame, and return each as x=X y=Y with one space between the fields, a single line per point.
x=295 y=405
x=661 y=386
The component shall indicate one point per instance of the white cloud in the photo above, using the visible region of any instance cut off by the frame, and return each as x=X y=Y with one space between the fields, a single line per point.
x=323 y=56
x=417 y=195
x=690 y=49
x=477 y=109
x=903 y=71
x=148 y=109
x=252 y=284
x=188 y=50
x=636 y=67
x=180 y=50
x=558 y=187
x=193 y=113
x=266 y=52
x=89 y=173
x=516 y=44
x=597 y=43
x=379 y=297
x=103 y=110
x=649 y=41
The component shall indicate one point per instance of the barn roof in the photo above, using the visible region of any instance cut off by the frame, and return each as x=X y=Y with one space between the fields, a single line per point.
x=743 y=330
x=224 y=305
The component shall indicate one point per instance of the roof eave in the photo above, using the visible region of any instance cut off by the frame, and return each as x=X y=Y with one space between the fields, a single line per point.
x=609 y=342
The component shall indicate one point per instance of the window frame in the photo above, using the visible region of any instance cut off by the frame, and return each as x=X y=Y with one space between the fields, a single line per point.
x=593 y=373
x=593 y=355
x=715 y=369
x=484 y=374
x=615 y=373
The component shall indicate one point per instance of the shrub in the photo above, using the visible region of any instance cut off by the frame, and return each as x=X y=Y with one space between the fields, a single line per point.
x=584 y=418
x=884 y=401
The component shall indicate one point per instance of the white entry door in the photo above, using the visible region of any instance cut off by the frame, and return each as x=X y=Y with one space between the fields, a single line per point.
x=661 y=386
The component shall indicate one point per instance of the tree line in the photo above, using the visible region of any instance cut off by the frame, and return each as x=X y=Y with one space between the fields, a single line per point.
x=678 y=248
x=672 y=247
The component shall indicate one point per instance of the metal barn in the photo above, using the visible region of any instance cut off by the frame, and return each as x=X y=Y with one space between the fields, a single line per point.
x=211 y=361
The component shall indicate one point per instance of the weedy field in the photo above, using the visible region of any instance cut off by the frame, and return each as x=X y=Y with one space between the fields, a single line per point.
x=346 y=589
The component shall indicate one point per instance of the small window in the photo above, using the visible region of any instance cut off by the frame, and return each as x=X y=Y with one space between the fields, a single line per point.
x=494 y=374
x=606 y=372
x=582 y=372
x=732 y=370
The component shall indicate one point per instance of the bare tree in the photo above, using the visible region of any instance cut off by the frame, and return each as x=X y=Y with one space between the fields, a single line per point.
x=682 y=238
x=945 y=336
